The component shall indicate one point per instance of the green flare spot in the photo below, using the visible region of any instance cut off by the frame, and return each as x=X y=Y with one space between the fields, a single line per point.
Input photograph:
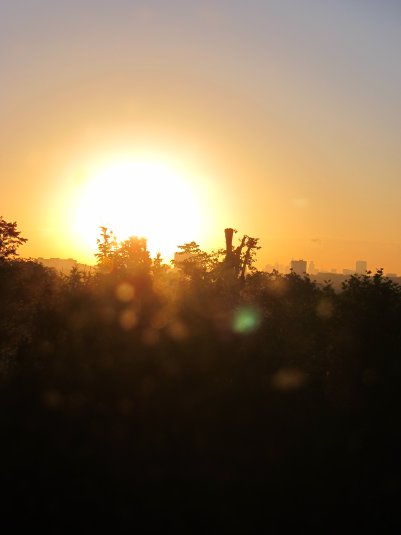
x=246 y=320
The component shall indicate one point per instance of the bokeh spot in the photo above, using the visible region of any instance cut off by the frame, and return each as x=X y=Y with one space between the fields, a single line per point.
x=128 y=319
x=246 y=320
x=288 y=379
x=324 y=308
x=125 y=292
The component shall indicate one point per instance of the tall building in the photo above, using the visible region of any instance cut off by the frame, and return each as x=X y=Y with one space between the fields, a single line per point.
x=312 y=268
x=298 y=266
x=361 y=267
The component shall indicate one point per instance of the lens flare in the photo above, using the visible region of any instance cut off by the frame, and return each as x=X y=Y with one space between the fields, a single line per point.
x=246 y=320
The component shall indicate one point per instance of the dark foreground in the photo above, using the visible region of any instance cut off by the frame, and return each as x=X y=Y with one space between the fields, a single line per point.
x=274 y=402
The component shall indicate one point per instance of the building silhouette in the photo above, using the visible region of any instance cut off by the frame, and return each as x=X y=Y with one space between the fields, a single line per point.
x=298 y=266
x=361 y=267
x=312 y=268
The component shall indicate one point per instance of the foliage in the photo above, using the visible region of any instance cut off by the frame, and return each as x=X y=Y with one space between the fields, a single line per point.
x=129 y=256
x=133 y=256
x=248 y=257
x=26 y=289
x=118 y=393
x=241 y=259
x=10 y=239
x=107 y=250
x=194 y=262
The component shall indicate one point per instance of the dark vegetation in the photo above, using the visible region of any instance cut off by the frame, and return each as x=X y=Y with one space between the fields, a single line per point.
x=204 y=397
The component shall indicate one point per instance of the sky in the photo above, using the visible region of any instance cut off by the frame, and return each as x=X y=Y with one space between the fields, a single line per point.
x=282 y=117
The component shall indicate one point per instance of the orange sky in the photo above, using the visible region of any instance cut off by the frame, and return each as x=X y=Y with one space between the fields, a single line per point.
x=284 y=118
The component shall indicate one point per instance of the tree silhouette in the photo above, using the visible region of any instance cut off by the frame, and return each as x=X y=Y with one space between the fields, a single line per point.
x=133 y=256
x=10 y=239
x=107 y=246
x=271 y=383
x=129 y=256
x=243 y=257
x=194 y=262
x=159 y=268
x=248 y=258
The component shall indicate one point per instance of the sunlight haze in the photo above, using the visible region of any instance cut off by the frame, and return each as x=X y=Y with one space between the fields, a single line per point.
x=174 y=120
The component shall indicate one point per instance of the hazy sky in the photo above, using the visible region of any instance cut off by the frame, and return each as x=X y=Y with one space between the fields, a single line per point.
x=287 y=111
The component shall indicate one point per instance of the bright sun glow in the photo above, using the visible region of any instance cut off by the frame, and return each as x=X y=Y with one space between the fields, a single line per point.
x=143 y=198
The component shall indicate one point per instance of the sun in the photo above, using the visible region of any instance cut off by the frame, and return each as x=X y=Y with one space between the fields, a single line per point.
x=149 y=198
